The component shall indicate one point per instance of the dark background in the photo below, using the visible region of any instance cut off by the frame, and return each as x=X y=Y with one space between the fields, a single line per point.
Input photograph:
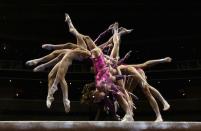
x=161 y=28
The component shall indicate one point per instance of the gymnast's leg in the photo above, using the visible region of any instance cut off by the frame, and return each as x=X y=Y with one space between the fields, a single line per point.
x=152 y=101
x=62 y=70
x=59 y=46
x=157 y=94
x=45 y=58
x=51 y=91
x=60 y=79
x=52 y=62
x=151 y=63
x=126 y=107
x=146 y=90
x=66 y=101
x=74 y=31
x=95 y=50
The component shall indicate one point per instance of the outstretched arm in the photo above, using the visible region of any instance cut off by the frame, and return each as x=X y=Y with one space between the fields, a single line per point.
x=116 y=63
x=125 y=57
x=102 y=34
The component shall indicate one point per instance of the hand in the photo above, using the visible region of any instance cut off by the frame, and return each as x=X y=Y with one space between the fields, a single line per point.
x=128 y=54
x=113 y=25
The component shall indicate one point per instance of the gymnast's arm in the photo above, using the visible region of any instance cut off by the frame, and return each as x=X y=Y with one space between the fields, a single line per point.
x=106 y=44
x=110 y=59
x=102 y=34
x=117 y=63
x=124 y=58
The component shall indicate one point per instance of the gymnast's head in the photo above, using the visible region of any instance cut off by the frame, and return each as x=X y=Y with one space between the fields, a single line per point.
x=91 y=95
x=87 y=93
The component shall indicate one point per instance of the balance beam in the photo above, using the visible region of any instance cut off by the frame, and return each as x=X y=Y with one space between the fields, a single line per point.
x=98 y=126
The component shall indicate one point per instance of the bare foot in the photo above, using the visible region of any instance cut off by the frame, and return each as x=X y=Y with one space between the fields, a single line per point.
x=32 y=62
x=66 y=105
x=166 y=107
x=39 y=68
x=70 y=25
x=159 y=119
x=47 y=46
x=127 y=118
x=123 y=30
x=67 y=17
x=49 y=101
x=167 y=59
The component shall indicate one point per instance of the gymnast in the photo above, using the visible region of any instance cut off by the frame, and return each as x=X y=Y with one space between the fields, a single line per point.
x=64 y=64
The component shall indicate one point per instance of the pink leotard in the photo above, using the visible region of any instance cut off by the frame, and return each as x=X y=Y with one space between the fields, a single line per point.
x=99 y=63
x=102 y=71
x=103 y=81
